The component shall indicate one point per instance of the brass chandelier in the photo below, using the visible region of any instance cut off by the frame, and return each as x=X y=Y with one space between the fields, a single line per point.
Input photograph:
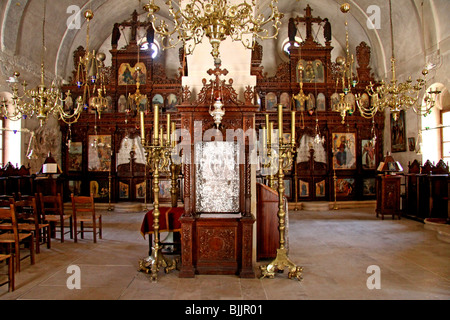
x=90 y=75
x=398 y=96
x=41 y=101
x=215 y=19
x=346 y=104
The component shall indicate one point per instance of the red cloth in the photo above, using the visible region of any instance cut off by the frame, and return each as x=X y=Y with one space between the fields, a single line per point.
x=168 y=220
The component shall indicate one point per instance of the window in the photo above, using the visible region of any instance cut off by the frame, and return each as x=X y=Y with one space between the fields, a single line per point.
x=11 y=138
x=446 y=136
x=153 y=46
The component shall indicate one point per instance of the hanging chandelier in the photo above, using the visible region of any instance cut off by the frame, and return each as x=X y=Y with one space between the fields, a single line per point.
x=398 y=96
x=90 y=75
x=215 y=19
x=345 y=65
x=41 y=101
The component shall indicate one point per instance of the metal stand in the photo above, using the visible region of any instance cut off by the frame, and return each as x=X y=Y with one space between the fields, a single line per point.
x=158 y=155
x=282 y=260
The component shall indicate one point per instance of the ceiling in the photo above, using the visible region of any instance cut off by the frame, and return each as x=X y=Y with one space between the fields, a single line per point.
x=21 y=28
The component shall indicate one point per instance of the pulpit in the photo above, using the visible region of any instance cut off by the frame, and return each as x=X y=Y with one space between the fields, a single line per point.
x=217 y=225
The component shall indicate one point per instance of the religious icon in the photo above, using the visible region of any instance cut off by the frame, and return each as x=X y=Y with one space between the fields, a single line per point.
x=334 y=100
x=344 y=151
x=285 y=100
x=320 y=188
x=368 y=154
x=398 y=133
x=75 y=156
x=140 y=190
x=304 y=188
x=122 y=104
x=321 y=106
x=318 y=71
x=130 y=75
x=158 y=99
x=99 y=153
x=271 y=101
x=124 y=190
x=171 y=102
x=369 y=187
x=345 y=187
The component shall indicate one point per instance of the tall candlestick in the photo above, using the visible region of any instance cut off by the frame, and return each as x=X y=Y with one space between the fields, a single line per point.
x=280 y=123
x=156 y=123
x=142 y=126
x=292 y=127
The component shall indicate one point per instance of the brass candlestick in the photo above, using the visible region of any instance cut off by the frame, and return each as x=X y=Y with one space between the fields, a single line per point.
x=285 y=157
x=158 y=156
x=335 y=207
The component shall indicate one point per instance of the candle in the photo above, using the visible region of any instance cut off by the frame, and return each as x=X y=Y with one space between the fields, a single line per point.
x=168 y=129
x=156 y=123
x=280 y=123
x=263 y=138
x=142 y=126
x=269 y=134
x=267 y=121
x=292 y=127
x=174 y=136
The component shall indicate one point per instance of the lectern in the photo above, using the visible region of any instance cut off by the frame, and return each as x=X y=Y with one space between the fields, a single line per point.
x=388 y=188
x=217 y=225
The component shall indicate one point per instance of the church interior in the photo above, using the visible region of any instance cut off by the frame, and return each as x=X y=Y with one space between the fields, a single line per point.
x=224 y=150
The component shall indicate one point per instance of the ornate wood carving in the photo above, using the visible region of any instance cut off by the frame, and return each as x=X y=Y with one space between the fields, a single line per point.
x=217 y=243
x=363 y=59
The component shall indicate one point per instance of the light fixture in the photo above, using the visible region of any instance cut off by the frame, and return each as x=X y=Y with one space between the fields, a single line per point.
x=217 y=110
x=215 y=19
x=137 y=99
x=41 y=101
x=90 y=75
x=346 y=104
x=398 y=96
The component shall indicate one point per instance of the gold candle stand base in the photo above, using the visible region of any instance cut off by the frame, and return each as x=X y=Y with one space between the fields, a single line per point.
x=281 y=261
x=153 y=263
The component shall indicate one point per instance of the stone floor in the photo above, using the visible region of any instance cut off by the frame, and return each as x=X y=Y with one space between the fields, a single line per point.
x=335 y=249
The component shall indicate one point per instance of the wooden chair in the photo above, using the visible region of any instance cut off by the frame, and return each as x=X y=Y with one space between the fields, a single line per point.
x=10 y=261
x=52 y=211
x=13 y=239
x=83 y=211
x=30 y=221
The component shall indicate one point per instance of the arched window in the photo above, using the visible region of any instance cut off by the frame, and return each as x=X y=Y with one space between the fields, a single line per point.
x=435 y=144
x=153 y=46
x=444 y=101
x=11 y=138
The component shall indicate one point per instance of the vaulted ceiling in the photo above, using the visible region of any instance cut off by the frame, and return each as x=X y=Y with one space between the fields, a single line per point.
x=21 y=29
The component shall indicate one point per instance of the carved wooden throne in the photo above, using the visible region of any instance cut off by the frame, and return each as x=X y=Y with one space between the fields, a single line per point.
x=217 y=227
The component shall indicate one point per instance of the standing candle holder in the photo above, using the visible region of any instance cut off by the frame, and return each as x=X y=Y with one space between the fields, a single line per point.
x=285 y=157
x=335 y=206
x=158 y=155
